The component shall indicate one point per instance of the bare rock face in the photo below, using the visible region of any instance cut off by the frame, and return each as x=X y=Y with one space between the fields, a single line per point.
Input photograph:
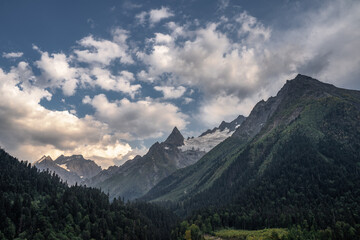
x=71 y=169
x=175 y=138
x=47 y=164
x=84 y=168
x=230 y=126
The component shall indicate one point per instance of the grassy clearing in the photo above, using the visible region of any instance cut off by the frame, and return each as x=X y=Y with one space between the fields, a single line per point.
x=264 y=234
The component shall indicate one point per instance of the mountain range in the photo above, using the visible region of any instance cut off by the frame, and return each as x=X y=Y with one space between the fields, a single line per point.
x=294 y=161
x=137 y=176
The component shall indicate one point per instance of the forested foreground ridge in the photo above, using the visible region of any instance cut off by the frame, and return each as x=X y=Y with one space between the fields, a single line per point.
x=37 y=205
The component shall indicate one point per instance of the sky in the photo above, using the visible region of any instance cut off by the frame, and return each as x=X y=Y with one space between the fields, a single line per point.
x=107 y=79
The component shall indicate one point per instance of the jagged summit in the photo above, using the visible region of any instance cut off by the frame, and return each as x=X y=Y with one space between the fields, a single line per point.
x=175 y=138
x=44 y=158
x=62 y=159
x=301 y=87
x=303 y=84
x=230 y=126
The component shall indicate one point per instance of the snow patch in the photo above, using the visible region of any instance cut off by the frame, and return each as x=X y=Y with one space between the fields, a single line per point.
x=64 y=167
x=206 y=142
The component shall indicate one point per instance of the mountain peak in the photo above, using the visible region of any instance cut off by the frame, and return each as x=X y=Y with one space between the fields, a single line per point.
x=175 y=138
x=305 y=86
x=44 y=158
x=306 y=82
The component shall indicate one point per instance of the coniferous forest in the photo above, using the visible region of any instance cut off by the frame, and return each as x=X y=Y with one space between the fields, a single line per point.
x=37 y=205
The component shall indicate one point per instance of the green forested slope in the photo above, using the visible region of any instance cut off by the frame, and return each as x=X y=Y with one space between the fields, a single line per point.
x=36 y=205
x=302 y=166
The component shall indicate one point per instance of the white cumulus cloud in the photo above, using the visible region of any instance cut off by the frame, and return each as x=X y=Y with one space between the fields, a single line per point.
x=154 y=16
x=102 y=51
x=140 y=119
x=29 y=130
x=56 y=72
x=120 y=83
x=12 y=54
x=170 y=91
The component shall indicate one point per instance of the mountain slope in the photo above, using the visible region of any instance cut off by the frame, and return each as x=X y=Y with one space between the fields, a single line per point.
x=294 y=158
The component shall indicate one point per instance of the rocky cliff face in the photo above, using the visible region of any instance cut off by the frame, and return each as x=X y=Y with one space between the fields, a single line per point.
x=47 y=164
x=84 y=168
x=229 y=126
x=71 y=169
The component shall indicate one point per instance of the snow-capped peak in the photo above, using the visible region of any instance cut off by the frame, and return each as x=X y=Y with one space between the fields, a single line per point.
x=206 y=142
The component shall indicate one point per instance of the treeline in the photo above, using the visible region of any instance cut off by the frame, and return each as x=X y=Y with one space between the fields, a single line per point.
x=190 y=230
x=37 y=205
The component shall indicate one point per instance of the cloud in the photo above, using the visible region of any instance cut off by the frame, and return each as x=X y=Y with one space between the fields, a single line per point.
x=29 y=130
x=163 y=38
x=141 y=17
x=327 y=44
x=209 y=61
x=120 y=83
x=224 y=108
x=187 y=100
x=91 y=22
x=171 y=92
x=154 y=16
x=142 y=150
x=252 y=31
x=140 y=119
x=56 y=72
x=223 y=4
x=130 y=5
x=239 y=56
x=61 y=71
x=12 y=54
x=101 y=51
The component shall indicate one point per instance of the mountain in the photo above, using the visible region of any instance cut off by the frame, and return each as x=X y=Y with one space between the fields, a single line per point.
x=72 y=169
x=137 y=176
x=84 y=168
x=295 y=158
x=37 y=205
x=46 y=163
